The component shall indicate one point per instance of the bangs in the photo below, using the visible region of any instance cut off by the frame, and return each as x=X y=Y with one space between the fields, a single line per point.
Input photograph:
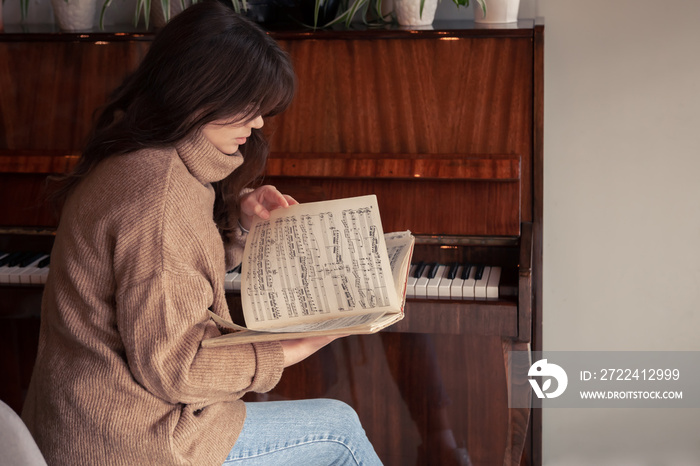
x=253 y=77
x=273 y=87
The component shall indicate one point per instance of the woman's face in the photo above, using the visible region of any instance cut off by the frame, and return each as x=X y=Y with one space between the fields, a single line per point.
x=227 y=134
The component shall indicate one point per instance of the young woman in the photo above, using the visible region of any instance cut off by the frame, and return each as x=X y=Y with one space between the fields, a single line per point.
x=155 y=212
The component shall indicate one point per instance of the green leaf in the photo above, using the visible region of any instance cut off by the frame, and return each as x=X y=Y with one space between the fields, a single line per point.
x=317 y=7
x=147 y=12
x=165 y=5
x=354 y=8
x=102 y=13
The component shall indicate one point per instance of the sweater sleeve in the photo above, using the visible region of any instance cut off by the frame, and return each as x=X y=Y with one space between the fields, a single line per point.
x=163 y=321
x=169 y=269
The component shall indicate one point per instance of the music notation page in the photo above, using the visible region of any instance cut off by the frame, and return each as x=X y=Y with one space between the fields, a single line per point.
x=318 y=260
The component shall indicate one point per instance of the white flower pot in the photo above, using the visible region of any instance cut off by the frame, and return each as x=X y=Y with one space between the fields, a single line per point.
x=408 y=12
x=497 y=11
x=75 y=15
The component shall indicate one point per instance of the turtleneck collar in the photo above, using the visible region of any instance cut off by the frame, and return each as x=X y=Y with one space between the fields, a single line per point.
x=204 y=161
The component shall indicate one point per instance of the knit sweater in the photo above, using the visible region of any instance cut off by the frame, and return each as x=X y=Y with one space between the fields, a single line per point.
x=121 y=377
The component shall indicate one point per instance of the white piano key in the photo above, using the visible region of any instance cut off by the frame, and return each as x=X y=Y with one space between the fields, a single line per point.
x=26 y=259
x=35 y=277
x=494 y=281
x=432 y=288
x=445 y=284
x=421 y=286
x=468 y=285
x=4 y=277
x=456 y=285
x=411 y=282
x=6 y=272
x=480 y=285
x=237 y=282
x=229 y=280
x=41 y=276
x=24 y=276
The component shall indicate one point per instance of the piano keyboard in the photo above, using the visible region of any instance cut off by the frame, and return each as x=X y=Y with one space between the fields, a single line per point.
x=426 y=280
x=453 y=281
x=27 y=268
x=432 y=281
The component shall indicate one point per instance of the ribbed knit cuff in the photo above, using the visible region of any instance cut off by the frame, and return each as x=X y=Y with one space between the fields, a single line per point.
x=270 y=365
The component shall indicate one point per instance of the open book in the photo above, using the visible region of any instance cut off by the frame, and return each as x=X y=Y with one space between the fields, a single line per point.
x=321 y=268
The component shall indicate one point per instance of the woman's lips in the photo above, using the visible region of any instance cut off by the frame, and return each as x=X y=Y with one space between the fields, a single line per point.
x=241 y=141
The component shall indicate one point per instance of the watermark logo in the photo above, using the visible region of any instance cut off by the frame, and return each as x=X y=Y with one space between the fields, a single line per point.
x=542 y=368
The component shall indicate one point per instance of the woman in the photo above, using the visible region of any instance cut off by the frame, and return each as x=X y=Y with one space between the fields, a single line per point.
x=155 y=213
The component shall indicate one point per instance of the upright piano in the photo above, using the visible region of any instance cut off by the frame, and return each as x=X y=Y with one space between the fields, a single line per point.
x=443 y=124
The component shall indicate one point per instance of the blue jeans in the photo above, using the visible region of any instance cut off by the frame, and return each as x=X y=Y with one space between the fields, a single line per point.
x=317 y=432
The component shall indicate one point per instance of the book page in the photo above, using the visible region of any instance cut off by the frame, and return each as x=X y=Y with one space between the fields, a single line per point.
x=312 y=262
x=399 y=247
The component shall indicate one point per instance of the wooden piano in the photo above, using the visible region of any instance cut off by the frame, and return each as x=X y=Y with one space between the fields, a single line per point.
x=444 y=125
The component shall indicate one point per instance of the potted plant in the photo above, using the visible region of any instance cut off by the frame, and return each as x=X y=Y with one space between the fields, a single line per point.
x=408 y=12
x=75 y=15
x=498 y=11
x=163 y=10
x=71 y=15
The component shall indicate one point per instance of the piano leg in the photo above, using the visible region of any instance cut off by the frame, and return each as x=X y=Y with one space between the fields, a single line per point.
x=420 y=383
x=519 y=394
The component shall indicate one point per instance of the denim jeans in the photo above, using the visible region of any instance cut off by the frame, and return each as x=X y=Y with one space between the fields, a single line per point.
x=318 y=432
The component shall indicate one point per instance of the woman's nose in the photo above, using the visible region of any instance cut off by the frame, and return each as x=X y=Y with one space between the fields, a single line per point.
x=257 y=122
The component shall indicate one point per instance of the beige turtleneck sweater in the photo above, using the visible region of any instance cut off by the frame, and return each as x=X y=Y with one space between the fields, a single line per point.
x=121 y=377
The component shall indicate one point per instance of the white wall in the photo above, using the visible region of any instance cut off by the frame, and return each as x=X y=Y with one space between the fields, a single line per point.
x=622 y=220
x=621 y=209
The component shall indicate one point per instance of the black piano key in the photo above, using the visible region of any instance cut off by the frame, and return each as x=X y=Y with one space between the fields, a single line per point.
x=21 y=257
x=479 y=272
x=18 y=257
x=452 y=273
x=433 y=270
x=10 y=257
x=32 y=258
x=44 y=262
x=236 y=269
x=419 y=269
x=466 y=271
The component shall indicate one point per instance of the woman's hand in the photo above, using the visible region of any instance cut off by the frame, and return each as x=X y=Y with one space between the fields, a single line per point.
x=299 y=349
x=260 y=202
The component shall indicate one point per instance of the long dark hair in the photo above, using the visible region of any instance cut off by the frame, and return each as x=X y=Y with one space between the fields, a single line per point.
x=207 y=63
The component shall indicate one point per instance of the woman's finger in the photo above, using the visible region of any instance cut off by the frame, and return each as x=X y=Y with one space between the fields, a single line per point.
x=290 y=199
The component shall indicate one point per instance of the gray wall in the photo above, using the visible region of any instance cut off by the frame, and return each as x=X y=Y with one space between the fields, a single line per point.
x=622 y=222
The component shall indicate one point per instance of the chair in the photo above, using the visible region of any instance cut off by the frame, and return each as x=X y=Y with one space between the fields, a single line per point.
x=16 y=443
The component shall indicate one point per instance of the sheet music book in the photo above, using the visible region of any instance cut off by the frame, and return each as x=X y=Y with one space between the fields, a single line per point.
x=320 y=268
